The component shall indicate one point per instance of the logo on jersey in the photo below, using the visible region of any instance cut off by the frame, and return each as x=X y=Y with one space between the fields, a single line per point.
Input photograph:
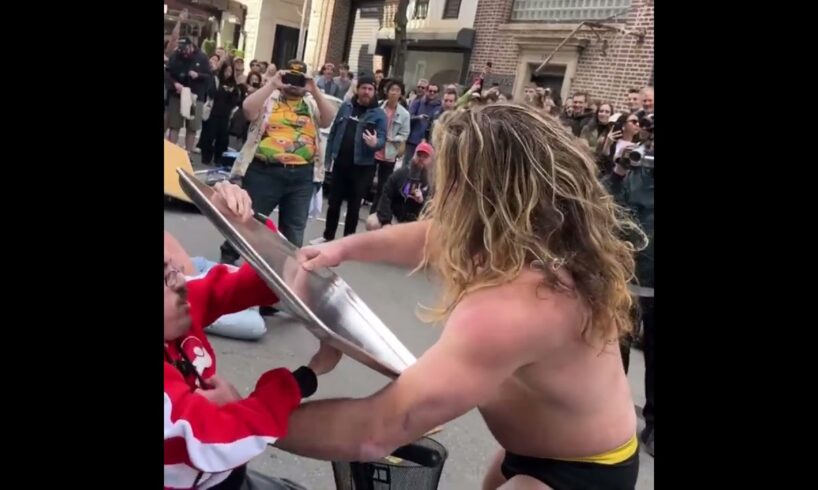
x=198 y=355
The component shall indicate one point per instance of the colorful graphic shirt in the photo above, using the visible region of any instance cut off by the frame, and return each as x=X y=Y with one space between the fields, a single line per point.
x=290 y=136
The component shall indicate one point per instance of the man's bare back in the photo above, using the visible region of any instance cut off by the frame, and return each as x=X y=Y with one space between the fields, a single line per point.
x=574 y=401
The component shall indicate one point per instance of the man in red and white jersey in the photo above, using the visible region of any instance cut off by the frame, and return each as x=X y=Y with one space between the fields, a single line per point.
x=210 y=431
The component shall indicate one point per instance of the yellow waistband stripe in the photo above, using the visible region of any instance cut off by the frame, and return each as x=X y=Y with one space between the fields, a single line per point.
x=614 y=456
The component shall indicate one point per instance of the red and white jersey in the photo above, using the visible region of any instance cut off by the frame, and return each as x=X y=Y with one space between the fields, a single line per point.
x=205 y=442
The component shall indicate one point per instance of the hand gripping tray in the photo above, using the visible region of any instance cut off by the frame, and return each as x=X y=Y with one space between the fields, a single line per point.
x=324 y=303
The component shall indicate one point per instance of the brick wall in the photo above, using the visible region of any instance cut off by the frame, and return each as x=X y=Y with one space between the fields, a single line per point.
x=339 y=26
x=489 y=43
x=627 y=64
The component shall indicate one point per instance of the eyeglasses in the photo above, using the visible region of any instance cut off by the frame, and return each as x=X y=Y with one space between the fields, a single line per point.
x=432 y=91
x=421 y=87
x=174 y=278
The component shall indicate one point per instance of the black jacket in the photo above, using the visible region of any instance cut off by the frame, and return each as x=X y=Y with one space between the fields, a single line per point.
x=578 y=122
x=180 y=67
x=395 y=200
x=225 y=99
x=634 y=191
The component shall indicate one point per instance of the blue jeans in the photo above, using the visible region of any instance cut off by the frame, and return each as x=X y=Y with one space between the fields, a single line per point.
x=409 y=153
x=289 y=188
x=243 y=325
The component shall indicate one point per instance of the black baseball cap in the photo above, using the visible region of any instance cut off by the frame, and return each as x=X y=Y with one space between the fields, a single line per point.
x=297 y=66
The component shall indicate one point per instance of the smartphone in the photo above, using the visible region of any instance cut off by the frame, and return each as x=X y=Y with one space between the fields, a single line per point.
x=619 y=124
x=294 y=79
x=371 y=127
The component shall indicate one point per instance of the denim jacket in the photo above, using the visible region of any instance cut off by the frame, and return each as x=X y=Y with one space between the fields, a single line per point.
x=363 y=155
x=397 y=133
x=421 y=107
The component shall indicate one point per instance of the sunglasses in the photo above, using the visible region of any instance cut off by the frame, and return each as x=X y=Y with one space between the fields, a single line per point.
x=421 y=87
x=432 y=91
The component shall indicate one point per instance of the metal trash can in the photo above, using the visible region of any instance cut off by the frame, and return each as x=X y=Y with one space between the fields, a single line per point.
x=416 y=466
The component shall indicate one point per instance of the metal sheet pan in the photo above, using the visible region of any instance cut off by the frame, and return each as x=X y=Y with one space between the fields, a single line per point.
x=323 y=301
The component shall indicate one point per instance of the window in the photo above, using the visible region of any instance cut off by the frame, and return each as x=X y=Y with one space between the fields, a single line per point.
x=452 y=9
x=566 y=10
x=421 y=9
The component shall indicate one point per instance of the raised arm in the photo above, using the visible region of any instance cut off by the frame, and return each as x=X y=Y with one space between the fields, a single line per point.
x=174 y=34
x=255 y=101
x=400 y=245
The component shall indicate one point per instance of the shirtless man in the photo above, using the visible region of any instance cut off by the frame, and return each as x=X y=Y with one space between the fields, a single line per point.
x=535 y=296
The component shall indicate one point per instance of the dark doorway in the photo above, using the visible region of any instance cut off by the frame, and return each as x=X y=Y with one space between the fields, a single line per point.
x=285 y=45
x=236 y=36
x=551 y=77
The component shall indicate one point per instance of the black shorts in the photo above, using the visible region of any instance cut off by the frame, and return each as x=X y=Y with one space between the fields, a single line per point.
x=574 y=475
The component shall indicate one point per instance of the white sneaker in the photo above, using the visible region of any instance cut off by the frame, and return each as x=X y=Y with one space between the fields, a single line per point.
x=197 y=150
x=318 y=241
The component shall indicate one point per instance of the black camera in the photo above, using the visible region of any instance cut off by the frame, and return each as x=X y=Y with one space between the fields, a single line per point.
x=294 y=79
x=639 y=156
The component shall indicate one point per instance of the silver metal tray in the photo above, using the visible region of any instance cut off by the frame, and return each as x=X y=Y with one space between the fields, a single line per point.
x=325 y=304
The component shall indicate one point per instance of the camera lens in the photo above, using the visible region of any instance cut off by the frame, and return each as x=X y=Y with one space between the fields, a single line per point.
x=634 y=156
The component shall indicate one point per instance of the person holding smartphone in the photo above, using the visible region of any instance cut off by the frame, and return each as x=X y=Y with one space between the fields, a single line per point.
x=282 y=154
x=624 y=135
x=405 y=192
x=357 y=134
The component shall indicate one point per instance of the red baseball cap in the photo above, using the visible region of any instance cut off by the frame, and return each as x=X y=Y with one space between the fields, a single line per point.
x=425 y=148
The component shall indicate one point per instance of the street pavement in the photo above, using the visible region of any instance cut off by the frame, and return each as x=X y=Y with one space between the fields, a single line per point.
x=393 y=296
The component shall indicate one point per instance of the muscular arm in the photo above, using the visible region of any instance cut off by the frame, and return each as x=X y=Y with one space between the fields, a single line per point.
x=475 y=354
x=400 y=245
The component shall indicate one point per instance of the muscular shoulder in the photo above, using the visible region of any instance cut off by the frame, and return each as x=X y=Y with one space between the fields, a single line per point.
x=521 y=316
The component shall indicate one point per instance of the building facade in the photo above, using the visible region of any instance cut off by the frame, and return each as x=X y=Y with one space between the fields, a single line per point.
x=272 y=29
x=440 y=36
x=516 y=36
x=266 y=30
x=221 y=20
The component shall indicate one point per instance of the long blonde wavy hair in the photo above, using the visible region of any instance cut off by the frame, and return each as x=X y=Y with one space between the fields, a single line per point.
x=514 y=190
